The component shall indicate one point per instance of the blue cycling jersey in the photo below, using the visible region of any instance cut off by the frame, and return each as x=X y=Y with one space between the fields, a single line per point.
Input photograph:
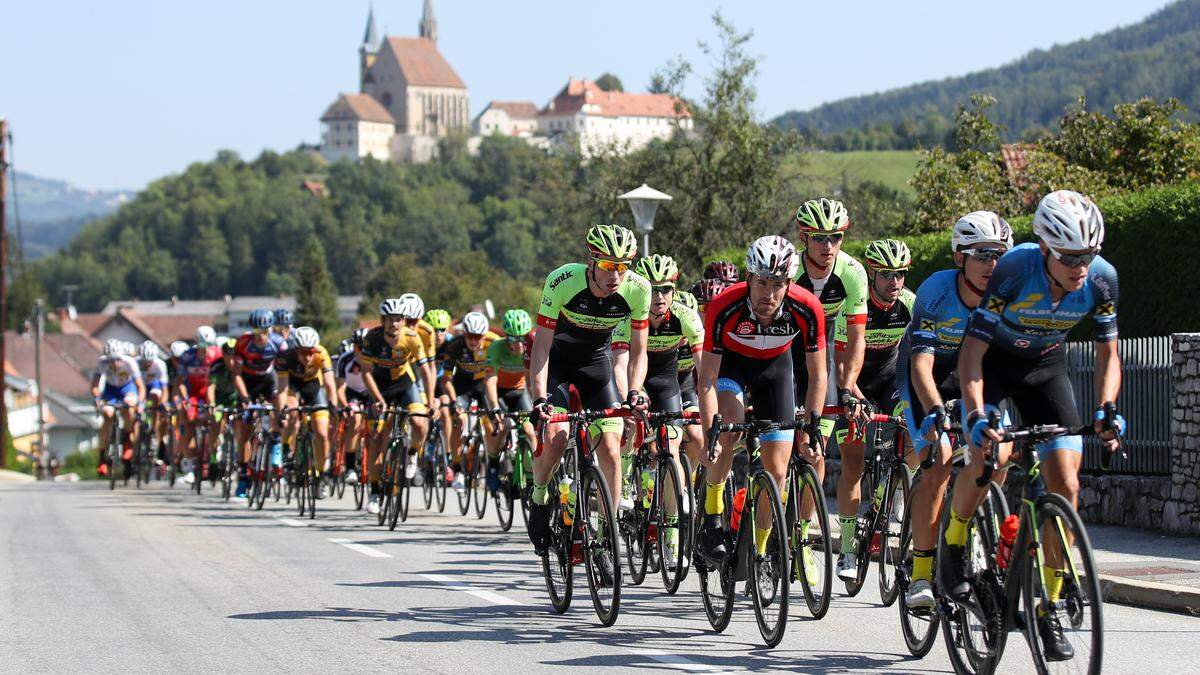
x=1016 y=312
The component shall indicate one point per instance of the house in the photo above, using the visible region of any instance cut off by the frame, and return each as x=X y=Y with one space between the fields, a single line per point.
x=617 y=121
x=68 y=364
x=507 y=118
x=357 y=126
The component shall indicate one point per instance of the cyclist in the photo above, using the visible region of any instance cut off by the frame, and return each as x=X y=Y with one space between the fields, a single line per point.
x=721 y=270
x=1013 y=349
x=749 y=330
x=117 y=380
x=157 y=381
x=889 y=311
x=504 y=385
x=222 y=392
x=693 y=442
x=582 y=303
x=465 y=362
x=254 y=376
x=413 y=309
x=672 y=326
x=352 y=395
x=193 y=389
x=282 y=320
x=707 y=289
x=925 y=374
x=306 y=374
x=440 y=320
x=388 y=354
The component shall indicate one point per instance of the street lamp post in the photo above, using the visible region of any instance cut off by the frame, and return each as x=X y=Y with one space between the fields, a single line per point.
x=644 y=202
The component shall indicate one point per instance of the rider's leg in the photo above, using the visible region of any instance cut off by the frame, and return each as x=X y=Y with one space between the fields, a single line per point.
x=848 y=490
x=544 y=464
x=1060 y=468
x=775 y=456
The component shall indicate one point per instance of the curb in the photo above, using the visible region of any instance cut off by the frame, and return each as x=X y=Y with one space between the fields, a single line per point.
x=17 y=476
x=1150 y=595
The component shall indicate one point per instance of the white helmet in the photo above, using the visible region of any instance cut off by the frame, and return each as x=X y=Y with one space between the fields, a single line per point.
x=980 y=227
x=129 y=348
x=475 y=323
x=178 y=348
x=306 y=337
x=113 y=347
x=772 y=257
x=390 y=307
x=413 y=303
x=1069 y=221
x=148 y=351
x=205 y=336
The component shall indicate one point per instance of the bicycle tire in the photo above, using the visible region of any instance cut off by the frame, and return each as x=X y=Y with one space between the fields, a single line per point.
x=717 y=586
x=425 y=468
x=114 y=452
x=972 y=629
x=889 y=533
x=817 y=592
x=634 y=525
x=775 y=560
x=479 y=480
x=439 y=473
x=919 y=627
x=503 y=497
x=467 y=469
x=361 y=486
x=669 y=483
x=557 y=569
x=403 y=487
x=313 y=478
x=601 y=543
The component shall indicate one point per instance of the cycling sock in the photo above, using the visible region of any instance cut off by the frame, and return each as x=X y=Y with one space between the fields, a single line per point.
x=848 y=525
x=878 y=497
x=714 y=498
x=626 y=464
x=804 y=529
x=541 y=494
x=1052 y=577
x=956 y=529
x=671 y=532
x=922 y=565
x=761 y=536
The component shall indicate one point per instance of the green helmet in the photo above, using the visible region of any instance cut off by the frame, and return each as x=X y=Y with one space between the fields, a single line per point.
x=888 y=254
x=517 y=322
x=611 y=241
x=658 y=268
x=438 y=318
x=687 y=299
x=822 y=215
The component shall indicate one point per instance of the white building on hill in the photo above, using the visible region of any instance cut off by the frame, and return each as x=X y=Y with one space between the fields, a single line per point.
x=507 y=118
x=614 y=120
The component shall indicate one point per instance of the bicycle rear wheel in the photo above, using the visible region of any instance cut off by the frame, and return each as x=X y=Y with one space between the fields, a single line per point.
x=919 y=626
x=425 y=468
x=441 y=463
x=634 y=526
x=479 y=481
x=360 y=488
x=504 y=493
x=313 y=479
x=811 y=553
x=601 y=545
x=467 y=464
x=891 y=516
x=556 y=563
x=974 y=632
x=717 y=585
x=672 y=539
x=769 y=571
x=1079 y=608
x=403 y=487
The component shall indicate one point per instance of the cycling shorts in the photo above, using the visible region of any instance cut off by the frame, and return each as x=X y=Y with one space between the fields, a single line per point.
x=687 y=391
x=592 y=375
x=472 y=392
x=914 y=412
x=769 y=383
x=112 y=395
x=260 y=387
x=310 y=393
x=513 y=400
x=155 y=387
x=404 y=393
x=1038 y=387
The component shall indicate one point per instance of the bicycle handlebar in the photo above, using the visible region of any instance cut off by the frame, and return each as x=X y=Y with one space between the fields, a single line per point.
x=587 y=415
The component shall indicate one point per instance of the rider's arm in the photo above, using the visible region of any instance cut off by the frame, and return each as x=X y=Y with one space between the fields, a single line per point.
x=368 y=375
x=489 y=390
x=1108 y=369
x=849 y=360
x=96 y=384
x=818 y=381
x=620 y=361
x=210 y=393
x=970 y=373
x=706 y=389
x=238 y=383
x=539 y=360
x=637 y=357
x=330 y=386
x=921 y=371
x=430 y=380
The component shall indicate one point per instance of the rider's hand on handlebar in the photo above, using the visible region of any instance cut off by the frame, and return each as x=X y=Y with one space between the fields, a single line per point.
x=981 y=430
x=540 y=411
x=1110 y=431
x=929 y=430
x=637 y=400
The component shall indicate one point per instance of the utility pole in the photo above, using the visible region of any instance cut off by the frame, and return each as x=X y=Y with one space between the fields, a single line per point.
x=40 y=331
x=3 y=285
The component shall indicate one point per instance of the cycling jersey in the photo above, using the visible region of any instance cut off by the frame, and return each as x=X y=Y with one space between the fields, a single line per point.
x=118 y=371
x=886 y=326
x=347 y=370
x=579 y=318
x=843 y=292
x=258 y=360
x=468 y=366
x=297 y=371
x=154 y=373
x=730 y=324
x=221 y=378
x=1017 y=314
x=509 y=367
x=195 y=364
x=391 y=364
x=428 y=338
x=680 y=327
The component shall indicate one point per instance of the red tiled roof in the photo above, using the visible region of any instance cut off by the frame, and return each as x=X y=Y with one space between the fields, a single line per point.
x=360 y=107
x=68 y=361
x=422 y=63
x=578 y=93
x=314 y=187
x=85 y=323
x=167 y=329
x=518 y=110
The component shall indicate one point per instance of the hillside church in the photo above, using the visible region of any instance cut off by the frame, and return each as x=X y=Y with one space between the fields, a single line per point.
x=409 y=97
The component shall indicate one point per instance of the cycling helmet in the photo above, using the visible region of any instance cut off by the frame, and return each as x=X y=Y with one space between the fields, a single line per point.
x=772 y=257
x=475 y=323
x=148 y=351
x=306 y=337
x=261 y=319
x=228 y=345
x=980 y=227
x=687 y=299
x=178 y=348
x=129 y=349
x=416 y=306
x=707 y=289
x=1069 y=221
x=359 y=336
x=657 y=268
x=723 y=270
x=517 y=322
x=346 y=346
x=888 y=254
x=611 y=241
x=438 y=318
x=112 y=347
x=822 y=215
x=284 y=317
x=205 y=336
x=390 y=307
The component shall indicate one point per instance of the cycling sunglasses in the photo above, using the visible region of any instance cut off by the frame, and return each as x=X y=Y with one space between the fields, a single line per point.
x=984 y=255
x=826 y=238
x=663 y=289
x=892 y=274
x=612 y=265
x=1075 y=259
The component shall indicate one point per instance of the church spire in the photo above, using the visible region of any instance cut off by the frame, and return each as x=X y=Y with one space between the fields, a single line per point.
x=428 y=27
x=370 y=41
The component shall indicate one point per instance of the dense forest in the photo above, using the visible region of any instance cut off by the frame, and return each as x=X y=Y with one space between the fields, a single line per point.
x=1158 y=58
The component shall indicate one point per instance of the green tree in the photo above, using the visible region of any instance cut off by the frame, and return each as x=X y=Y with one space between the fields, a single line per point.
x=609 y=82
x=316 y=299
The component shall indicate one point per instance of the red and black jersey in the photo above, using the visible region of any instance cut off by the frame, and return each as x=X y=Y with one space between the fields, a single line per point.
x=729 y=323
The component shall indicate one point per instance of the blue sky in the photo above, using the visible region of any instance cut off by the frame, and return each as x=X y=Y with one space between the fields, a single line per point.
x=115 y=94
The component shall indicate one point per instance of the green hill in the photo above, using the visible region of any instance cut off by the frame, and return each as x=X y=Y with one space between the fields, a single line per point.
x=893 y=168
x=1158 y=57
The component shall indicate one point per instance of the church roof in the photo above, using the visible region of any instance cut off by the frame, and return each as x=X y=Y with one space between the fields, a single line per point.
x=361 y=107
x=517 y=110
x=578 y=93
x=370 y=36
x=422 y=64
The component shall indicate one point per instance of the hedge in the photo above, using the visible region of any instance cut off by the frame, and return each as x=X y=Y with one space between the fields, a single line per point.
x=1152 y=238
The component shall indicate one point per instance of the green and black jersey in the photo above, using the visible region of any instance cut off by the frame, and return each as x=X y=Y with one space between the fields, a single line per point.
x=680 y=329
x=579 y=319
x=222 y=379
x=842 y=294
x=885 y=328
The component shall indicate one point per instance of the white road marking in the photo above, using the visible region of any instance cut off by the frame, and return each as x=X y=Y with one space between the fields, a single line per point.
x=494 y=598
x=365 y=550
x=677 y=661
x=292 y=522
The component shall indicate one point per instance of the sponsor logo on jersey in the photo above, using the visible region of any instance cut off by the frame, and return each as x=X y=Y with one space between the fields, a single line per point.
x=996 y=305
x=744 y=328
x=1106 y=309
x=928 y=325
x=561 y=278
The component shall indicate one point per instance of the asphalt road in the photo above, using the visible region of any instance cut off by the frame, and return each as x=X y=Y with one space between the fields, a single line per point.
x=160 y=580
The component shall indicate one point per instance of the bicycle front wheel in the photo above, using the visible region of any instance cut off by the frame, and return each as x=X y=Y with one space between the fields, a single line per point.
x=557 y=566
x=601 y=545
x=440 y=466
x=918 y=625
x=891 y=516
x=479 y=482
x=672 y=521
x=768 y=570
x=812 y=554
x=504 y=493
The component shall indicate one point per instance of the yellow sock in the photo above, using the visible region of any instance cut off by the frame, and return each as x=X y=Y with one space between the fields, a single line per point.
x=1053 y=578
x=761 y=536
x=956 y=529
x=714 y=498
x=922 y=565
